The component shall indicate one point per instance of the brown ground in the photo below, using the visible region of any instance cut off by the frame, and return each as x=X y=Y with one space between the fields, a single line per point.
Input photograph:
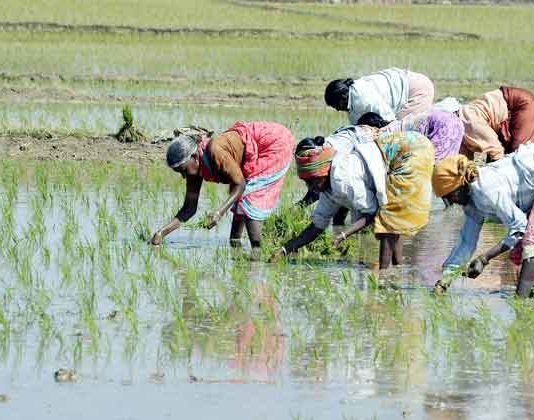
x=78 y=148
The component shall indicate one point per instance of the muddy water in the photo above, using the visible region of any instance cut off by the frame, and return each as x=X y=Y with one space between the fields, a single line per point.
x=193 y=330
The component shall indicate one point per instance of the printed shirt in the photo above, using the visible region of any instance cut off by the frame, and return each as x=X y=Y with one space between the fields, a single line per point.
x=503 y=192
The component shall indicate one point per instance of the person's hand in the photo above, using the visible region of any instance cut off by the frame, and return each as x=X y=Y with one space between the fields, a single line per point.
x=340 y=237
x=157 y=238
x=440 y=288
x=213 y=219
x=476 y=267
x=278 y=255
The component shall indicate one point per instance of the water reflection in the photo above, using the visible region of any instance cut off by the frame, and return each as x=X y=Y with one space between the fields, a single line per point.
x=199 y=319
x=433 y=244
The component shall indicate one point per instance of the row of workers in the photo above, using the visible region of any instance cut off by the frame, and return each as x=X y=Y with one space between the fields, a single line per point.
x=382 y=168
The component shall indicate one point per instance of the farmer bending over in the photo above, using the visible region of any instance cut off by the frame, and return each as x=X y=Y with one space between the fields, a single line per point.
x=252 y=157
x=386 y=181
x=392 y=93
x=502 y=191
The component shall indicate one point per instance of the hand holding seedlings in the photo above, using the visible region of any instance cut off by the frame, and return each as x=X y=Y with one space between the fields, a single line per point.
x=156 y=239
x=213 y=219
x=476 y=267
x=164 y=231
x=340 y=237
x=278 y=255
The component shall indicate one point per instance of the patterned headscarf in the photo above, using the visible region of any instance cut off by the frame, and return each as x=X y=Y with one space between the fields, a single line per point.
x=316 y=162
x=452 y=173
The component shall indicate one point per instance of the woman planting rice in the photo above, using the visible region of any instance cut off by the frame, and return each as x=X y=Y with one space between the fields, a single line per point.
x=444 y=129
x=502 y=191
x=498 y=122
x=343 y=141
x=252 y=158
x=392 y=93
x=386 y=181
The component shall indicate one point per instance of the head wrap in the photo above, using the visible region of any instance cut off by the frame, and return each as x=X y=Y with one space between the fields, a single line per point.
x=181 y=149
x=452 y=173
x=316 y=162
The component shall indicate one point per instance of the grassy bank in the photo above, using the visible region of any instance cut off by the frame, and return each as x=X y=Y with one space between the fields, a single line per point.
x=79 y=75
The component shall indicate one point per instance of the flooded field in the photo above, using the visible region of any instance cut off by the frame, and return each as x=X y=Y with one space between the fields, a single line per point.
x=95 y=323
x=195 y=328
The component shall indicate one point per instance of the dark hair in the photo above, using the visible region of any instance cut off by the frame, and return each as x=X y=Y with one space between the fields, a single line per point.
x=372 y=119
x=335 y=90
x=309 y=143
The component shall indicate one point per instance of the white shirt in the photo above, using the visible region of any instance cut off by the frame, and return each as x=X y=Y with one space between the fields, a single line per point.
x=504 y=193
x=383 y=92
x=345 y=139
x=357 y=182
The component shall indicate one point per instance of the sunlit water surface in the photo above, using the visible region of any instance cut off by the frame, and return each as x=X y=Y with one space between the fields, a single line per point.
x=194 y=330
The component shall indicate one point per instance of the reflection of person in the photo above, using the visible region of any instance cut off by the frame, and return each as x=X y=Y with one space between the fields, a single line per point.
x=498 y=122
x=391 y=93
x=250 y=338
x=252 y=158
x=502 y=191
x=259 y=348
x=444 y=129
x=387 y=181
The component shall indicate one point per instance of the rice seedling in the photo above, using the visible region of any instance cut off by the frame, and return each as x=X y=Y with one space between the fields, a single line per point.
x=78 y=278
x=287 y=223
x=87 y=307
x=129 y=133
x=449 y=276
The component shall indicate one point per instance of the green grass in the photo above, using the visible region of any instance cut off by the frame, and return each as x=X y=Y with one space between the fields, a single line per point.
x=79 y=284
x=81 y=119
x=72 y=80
x=509 y=22
x=203 y=57
x=209 y=14
x=81 y=287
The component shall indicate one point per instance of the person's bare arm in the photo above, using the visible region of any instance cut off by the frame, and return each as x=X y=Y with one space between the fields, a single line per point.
x=476 y=266
x=188 y=210
x=306 y=236
x=362 y=222
x=236 y=191
x=310 y=198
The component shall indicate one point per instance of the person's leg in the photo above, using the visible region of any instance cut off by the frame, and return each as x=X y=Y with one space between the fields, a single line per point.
x=526 y=278
x=238 y=224
x=254 y=232
x=340 y=216
x=386 y=250
x=396 y=249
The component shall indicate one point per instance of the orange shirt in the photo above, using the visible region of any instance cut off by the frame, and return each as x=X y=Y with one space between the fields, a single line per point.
x=226 y=153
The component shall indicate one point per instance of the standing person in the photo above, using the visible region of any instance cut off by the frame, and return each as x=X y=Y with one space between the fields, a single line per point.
x=387 y=181
x=498 y=122
x=252 y=157
x=502 y=191
x=444 y=129
x=392 y=93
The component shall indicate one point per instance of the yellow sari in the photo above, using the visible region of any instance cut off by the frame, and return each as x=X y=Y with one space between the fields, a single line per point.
x=409 y=158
